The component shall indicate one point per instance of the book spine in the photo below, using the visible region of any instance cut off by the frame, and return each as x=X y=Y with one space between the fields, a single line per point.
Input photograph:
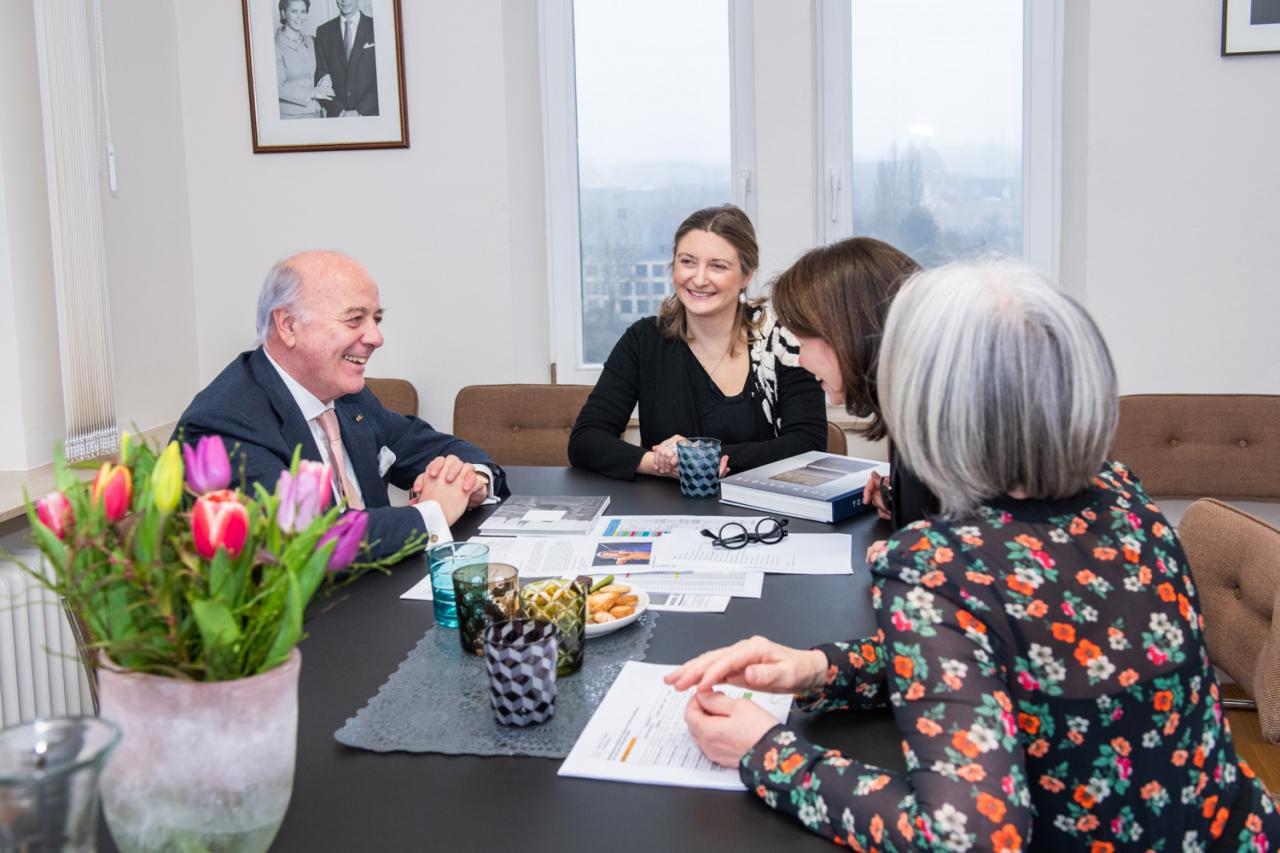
x=850 y=504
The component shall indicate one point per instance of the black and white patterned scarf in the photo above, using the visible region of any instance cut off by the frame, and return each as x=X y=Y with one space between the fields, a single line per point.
x=771 y=345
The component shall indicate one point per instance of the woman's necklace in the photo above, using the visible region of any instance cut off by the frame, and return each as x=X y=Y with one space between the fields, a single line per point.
x=712 y=372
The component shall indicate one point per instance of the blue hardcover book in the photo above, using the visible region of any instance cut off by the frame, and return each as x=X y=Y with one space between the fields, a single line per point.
x=814 y=485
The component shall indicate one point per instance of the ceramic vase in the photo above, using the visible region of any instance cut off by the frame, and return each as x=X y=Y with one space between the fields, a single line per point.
x=201 y=765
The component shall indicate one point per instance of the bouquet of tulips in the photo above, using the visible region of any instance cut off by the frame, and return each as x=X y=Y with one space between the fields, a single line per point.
x=173 y=573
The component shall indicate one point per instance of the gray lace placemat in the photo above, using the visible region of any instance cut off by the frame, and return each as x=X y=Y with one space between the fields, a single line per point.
x=438 y=700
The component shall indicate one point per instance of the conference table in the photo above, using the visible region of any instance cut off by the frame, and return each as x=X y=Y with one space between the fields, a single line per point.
x=351 y=799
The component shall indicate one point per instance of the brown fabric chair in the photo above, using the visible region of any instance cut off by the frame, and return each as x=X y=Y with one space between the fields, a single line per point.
x=1201 y=445
x=1235 y=560
x=520 y=424
x=398 y=395
x=836 y=442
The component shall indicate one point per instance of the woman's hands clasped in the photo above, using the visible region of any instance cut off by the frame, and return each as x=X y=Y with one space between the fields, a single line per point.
x=725 y=728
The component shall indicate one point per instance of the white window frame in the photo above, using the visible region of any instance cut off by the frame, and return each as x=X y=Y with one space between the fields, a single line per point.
x=560 y=147
x=1042 y=34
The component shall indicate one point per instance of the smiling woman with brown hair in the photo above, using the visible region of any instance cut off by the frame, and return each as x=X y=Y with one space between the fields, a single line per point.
x=712 y=363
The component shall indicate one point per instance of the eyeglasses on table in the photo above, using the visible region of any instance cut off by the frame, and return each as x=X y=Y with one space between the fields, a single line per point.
x=769 y=531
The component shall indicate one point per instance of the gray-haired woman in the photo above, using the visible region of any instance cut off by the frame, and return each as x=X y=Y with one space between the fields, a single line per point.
x=1040 y=643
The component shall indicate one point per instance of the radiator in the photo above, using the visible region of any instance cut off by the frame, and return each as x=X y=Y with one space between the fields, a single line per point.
x=40 y=670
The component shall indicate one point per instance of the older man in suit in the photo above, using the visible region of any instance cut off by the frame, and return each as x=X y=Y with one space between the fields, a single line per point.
x=318 y=316
x=345 y=52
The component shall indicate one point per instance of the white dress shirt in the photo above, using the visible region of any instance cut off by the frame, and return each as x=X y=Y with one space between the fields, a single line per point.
x=311 y=407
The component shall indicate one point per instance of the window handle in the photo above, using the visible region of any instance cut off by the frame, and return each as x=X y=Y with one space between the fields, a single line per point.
x=744 y=181
x=834 y=192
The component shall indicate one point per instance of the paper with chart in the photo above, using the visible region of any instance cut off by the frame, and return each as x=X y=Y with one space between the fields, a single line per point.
x=736 y=584
x=683 y=602
x=653 y=526
x=798 y=554
x=638 y=734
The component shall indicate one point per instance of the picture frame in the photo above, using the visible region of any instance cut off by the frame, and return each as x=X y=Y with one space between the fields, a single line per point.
x=325 y=75
x=1250 y=27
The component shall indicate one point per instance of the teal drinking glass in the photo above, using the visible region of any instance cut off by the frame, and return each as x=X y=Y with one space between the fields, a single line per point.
x=442 y=562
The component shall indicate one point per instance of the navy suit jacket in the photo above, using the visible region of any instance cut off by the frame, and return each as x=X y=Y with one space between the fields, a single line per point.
x=355 y=80
x=250 y=407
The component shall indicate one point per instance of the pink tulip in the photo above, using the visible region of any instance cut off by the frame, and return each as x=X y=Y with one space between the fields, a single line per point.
x=219 y=520
x=349 y=531
x=208 y=468
x=54 y=512
x=113 y=488
x=304 y=496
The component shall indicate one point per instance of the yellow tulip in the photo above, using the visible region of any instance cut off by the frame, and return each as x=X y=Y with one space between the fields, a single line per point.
x=167 y=478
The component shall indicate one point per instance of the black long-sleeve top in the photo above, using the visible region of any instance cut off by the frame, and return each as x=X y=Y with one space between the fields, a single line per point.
x=660 y=374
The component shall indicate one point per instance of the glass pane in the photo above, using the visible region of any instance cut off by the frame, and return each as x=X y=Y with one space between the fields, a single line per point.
x=937 y=125
x=653 y=146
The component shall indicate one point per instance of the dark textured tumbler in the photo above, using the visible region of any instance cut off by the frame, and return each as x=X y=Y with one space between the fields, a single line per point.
x=485 y=594
x=520 y=656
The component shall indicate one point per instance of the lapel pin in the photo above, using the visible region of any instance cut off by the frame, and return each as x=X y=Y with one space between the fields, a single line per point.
x=359 y=418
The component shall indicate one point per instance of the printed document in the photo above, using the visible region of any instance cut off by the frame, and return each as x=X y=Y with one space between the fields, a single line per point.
x=653 y=526
x=638 y=734
x=736 y=584
x=798 y=554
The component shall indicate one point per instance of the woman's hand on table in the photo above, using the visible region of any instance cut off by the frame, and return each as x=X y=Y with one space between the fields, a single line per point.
x=756 y=663
x=666 y=459
x=725 y=728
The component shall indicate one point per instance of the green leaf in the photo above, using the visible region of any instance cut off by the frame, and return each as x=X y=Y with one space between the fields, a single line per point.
x=312 y=572
x=290 y=626
x=219 y=632
x=219 y=575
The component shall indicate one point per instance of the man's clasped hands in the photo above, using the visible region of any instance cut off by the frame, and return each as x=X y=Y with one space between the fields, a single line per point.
x=453 y=484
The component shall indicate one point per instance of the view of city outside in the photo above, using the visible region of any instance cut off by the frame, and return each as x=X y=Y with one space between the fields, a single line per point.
x=937 y=126
x=653 y=146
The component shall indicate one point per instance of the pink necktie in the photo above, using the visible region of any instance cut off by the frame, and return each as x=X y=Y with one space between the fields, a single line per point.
x=328 y=420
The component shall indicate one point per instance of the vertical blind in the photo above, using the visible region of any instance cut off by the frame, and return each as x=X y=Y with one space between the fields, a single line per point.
x=65 y=53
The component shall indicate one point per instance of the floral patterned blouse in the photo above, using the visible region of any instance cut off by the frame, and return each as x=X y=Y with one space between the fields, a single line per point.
x=1046 y=664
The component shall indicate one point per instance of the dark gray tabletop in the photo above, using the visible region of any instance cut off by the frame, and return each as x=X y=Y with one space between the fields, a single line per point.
x=349 y=799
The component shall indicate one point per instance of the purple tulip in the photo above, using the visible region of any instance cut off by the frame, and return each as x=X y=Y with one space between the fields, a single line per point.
x=208 y=468
x=302 y=497
x=349 y=531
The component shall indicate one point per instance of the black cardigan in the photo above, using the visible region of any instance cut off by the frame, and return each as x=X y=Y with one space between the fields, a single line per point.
x=659 y=373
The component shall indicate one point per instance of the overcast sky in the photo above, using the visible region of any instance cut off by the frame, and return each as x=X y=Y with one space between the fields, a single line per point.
x=653 y=78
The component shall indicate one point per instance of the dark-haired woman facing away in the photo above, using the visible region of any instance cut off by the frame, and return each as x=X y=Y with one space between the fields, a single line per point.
x=712 y=363
x=834 y=299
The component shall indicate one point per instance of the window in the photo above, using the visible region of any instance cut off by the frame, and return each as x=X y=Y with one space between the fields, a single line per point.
x=647 y=117
x=939 y=125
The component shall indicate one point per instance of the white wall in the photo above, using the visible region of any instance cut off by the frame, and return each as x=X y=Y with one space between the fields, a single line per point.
x=146 y=222
x=1180 y=179
x=451 y=228
x=30 y=383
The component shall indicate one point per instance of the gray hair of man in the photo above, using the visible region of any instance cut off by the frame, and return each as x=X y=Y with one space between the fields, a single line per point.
x=992 y=381
x=280 y=289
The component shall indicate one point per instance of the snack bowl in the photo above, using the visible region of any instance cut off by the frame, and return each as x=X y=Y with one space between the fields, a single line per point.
x=599 y=629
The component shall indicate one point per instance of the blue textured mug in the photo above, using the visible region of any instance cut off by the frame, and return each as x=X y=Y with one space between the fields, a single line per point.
x=699 y=463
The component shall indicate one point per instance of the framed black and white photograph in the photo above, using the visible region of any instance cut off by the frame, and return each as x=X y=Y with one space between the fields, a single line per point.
x=1250 y=26
x=325 y=74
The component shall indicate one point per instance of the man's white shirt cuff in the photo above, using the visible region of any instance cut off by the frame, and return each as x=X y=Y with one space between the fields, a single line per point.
x=492 y=498
x=434 y=520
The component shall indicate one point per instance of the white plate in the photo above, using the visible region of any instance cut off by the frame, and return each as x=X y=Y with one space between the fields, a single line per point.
x=599 y=629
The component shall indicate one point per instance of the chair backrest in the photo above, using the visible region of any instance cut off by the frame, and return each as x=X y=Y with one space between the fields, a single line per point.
x=519 y=424
x=1201 y=445
x=836 y=441
x=398 y=395
x=1235 y=560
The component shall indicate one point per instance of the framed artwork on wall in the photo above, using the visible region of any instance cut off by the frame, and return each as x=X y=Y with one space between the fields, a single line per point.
x=325 y=75
x=1250 y=26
